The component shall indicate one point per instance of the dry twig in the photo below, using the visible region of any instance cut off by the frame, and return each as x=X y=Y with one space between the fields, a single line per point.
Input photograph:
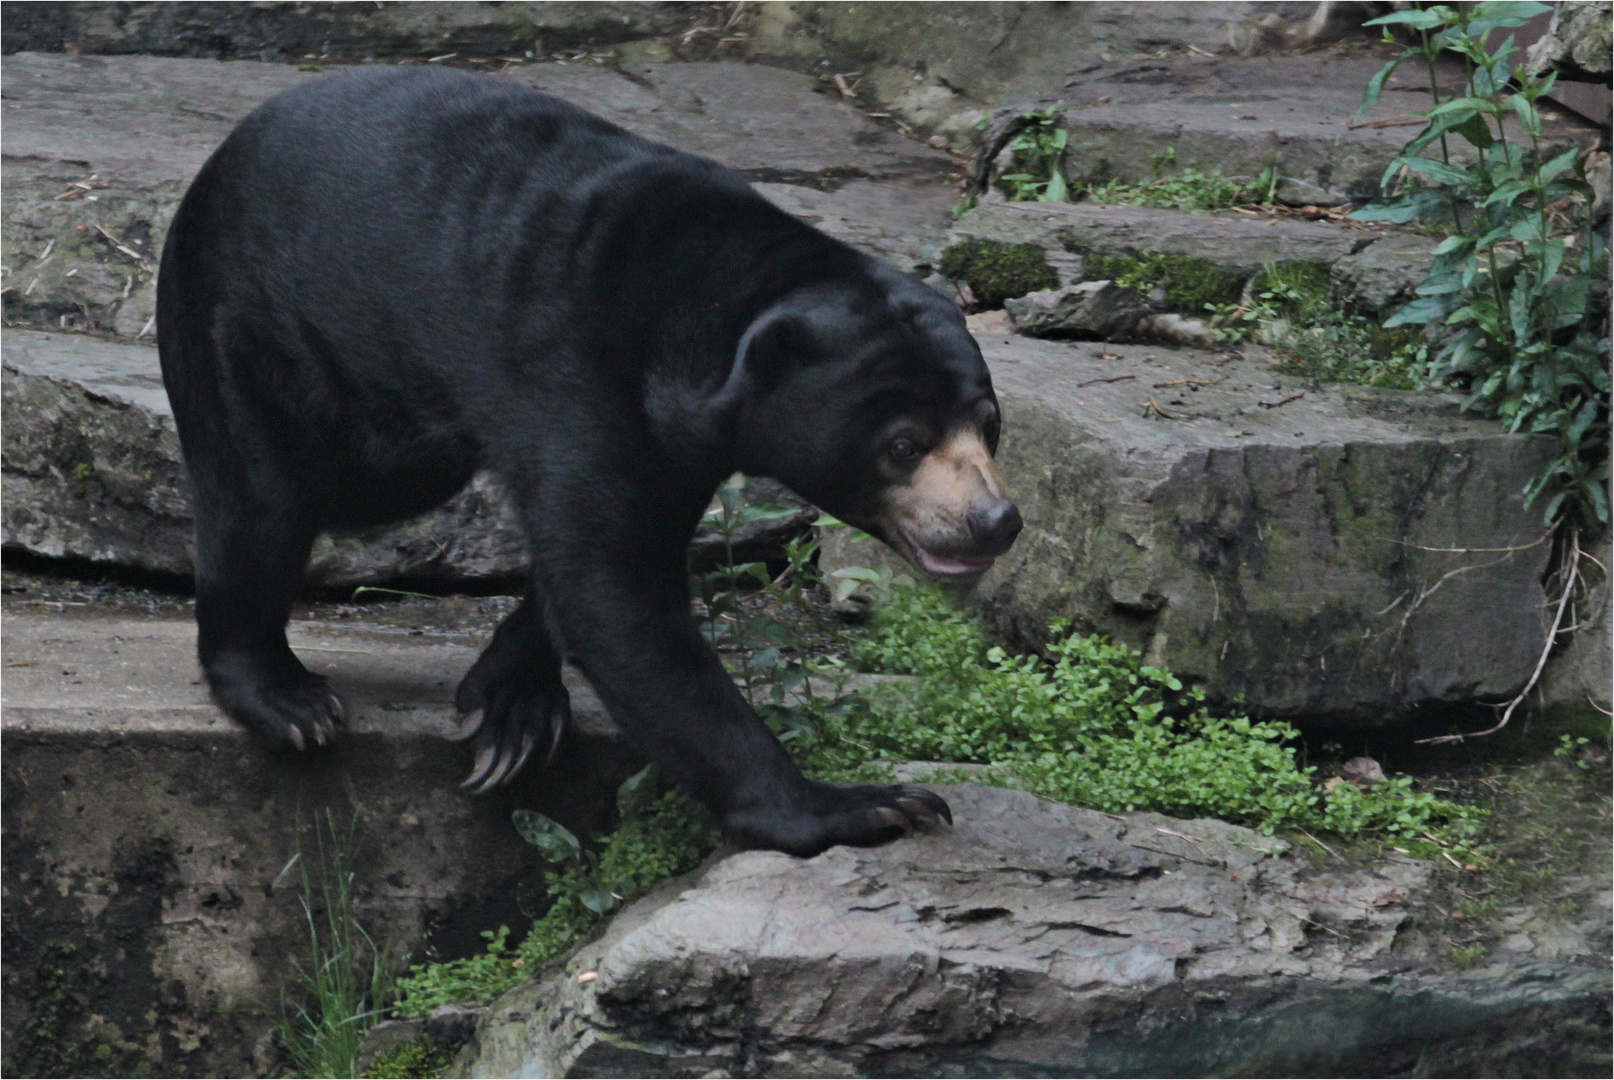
x=1570 y=576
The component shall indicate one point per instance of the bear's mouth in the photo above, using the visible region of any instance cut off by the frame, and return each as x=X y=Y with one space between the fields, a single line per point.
x=945 y=565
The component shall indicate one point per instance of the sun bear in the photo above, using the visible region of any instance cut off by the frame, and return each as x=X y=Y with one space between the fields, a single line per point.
x=388 y=279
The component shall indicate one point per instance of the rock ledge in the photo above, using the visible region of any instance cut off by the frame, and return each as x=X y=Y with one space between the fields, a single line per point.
x=1036 y=939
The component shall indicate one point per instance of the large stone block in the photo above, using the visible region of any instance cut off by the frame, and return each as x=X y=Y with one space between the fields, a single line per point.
x=1041 y=940
x=91 y=469
x=100 y=149
x=347 y=31
x=1323 y=551
x=152 y=919
x=1295 y=115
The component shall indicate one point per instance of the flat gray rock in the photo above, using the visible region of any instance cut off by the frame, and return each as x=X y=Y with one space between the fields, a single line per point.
x=353 y=31
x=1288 y=542
x=1034 y=939
x=1242 y=115
x=90 y=468
x=133 y=130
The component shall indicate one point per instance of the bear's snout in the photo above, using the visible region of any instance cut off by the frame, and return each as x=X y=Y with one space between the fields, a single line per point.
x=953 y=517
x=994 y=522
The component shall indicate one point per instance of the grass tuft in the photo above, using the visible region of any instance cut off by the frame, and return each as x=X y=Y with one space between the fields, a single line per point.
x=345 y=983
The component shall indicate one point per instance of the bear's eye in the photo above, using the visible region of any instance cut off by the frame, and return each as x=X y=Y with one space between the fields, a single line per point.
x=903 y=450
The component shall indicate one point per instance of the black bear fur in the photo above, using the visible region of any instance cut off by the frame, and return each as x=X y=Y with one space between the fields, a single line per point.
x=388 y=279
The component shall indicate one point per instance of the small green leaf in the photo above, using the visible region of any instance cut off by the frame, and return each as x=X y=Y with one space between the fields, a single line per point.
x=1416 y=19
x=550 y=837
x=1528 y=115
x=1438 y=171
x=1476 y=131
x=1560 y=164
x=1505 y=13
x=598 y=899
x=637 y=792
x=1375 y=85
x=1465 y=106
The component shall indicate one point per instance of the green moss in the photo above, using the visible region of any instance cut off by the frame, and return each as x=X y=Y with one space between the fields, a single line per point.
x=418 y=1059
x=1330 y=341
x=1467 y=956
x=1306 y=283
x=1189 y=282
x=1190 y=189
x=1583 y=721
x=44 y=1047
x=996 y=271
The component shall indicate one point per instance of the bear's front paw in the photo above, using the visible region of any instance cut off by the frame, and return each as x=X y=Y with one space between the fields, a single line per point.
x=276 y=697
x=863 y=816
x=506 y=723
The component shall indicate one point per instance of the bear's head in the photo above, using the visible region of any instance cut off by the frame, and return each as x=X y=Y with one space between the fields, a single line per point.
x=870 y=399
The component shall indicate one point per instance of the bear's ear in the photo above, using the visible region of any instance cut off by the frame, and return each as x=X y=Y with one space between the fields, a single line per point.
x=773 y=346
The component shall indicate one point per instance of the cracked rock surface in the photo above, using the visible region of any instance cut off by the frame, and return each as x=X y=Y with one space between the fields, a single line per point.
x=1035 y=939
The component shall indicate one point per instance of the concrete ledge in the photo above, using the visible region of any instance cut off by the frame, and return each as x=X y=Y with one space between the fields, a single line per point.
x=145 y=836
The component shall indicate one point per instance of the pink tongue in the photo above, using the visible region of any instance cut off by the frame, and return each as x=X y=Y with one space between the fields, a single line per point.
x=941 y=564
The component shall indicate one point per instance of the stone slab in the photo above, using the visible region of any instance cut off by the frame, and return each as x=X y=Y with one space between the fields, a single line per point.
x=1036 y=939
x=1263 y=536
x=90 y=468
x=352 y=31
x=142 y=126
x=149 y=834
x=1242 y=115
x=1373 y=268
x=989 y=54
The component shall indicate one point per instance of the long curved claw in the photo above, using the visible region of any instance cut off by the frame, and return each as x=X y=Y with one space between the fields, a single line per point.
x=510 y=762
x=485 y=758
x=469 y=724
x=891 y=816
x=558 y=722
x=295 y=734
x=925 y=806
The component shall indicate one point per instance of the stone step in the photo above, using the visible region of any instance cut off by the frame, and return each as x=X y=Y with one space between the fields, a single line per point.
x=149 y=834
x=1264 y=537
x=90 y=469
x=135 y=129
x=1035 y=939
x=1294 y=113
x=1372 y=269
x=356 y=31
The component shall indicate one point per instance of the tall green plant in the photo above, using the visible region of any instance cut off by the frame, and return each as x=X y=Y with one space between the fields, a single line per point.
x=345 y=985
x=1034 y=158
x=1518 y=291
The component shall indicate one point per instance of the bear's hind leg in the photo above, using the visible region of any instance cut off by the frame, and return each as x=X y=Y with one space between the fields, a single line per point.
x=512 y=701
x=249 y=566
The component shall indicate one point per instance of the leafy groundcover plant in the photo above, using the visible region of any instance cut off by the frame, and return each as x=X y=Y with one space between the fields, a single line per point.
x=1089 y=723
